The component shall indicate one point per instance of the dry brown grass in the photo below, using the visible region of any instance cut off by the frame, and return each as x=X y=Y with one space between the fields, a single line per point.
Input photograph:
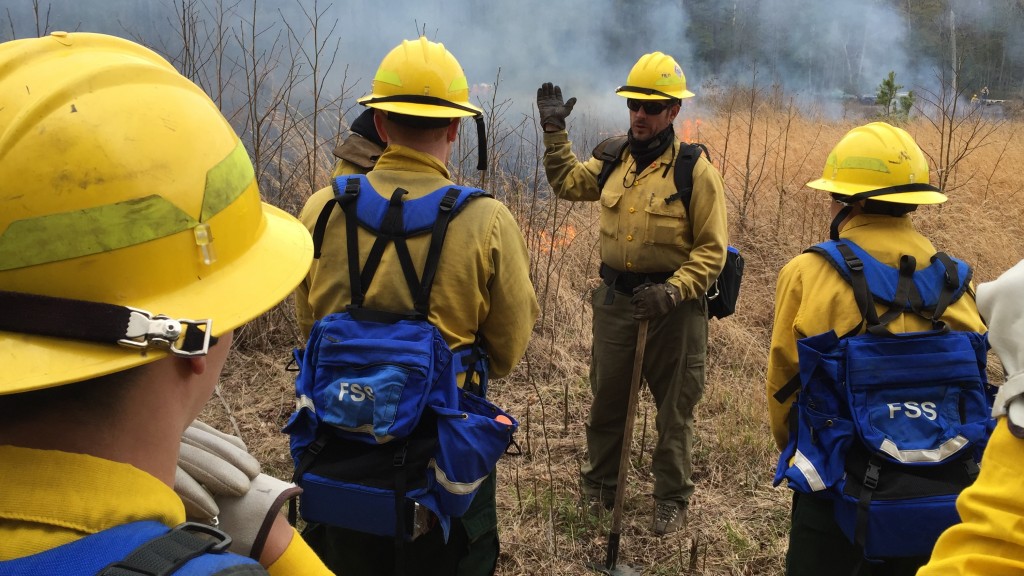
x=738 y=522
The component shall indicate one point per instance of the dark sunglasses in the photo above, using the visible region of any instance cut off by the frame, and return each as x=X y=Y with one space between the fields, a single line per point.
x=651 y=107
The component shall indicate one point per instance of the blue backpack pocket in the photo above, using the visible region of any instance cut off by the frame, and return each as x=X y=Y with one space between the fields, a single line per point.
x=914 y=417
x=814 y=458
x=353 y=485
x=470 y=443
x=910 y=505
x=374 y=378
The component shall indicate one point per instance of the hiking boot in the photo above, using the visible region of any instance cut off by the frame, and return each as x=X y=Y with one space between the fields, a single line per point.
x=597 y=506
x=669 y=517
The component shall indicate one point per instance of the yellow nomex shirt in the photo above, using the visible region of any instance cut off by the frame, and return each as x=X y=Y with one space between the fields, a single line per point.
x=49 y=498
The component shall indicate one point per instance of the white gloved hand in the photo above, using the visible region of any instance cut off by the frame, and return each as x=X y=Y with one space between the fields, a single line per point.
x=1001 y=305
x=220 y=484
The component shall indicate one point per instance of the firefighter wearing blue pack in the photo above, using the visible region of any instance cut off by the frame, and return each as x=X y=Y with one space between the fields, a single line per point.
x=669 y=254
x=133 y=243
x=481 y=293
x=876 y=176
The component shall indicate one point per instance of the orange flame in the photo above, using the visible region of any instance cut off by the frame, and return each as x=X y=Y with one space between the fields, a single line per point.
x=688 y=129
x=562 y=238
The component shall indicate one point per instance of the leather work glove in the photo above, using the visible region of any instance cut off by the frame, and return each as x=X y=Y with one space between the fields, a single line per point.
x=550 y=106
x=1000 y=304
x=652 y=301
x=220 y=484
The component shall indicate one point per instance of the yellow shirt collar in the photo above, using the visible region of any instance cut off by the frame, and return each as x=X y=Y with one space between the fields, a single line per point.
x=49 y=498
x=397 y=157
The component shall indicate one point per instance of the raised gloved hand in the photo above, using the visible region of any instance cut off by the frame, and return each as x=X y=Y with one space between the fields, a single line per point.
x=1000 y=304
x=220 y=484
x=652 y=301
x=553 y=111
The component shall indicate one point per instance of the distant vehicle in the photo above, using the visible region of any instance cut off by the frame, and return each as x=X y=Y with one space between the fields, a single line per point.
x=867 y=98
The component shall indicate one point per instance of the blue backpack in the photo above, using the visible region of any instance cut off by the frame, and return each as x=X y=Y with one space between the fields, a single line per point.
x=891 y=427
x=382 y=433
x=144 y=547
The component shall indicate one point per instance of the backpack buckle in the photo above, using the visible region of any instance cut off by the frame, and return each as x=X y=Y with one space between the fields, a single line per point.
x=399 y=460
x=220 y=540
x=871 y=476
x=448 y=202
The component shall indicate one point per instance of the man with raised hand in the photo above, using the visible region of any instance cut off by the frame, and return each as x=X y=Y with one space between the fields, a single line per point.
x=658 y=258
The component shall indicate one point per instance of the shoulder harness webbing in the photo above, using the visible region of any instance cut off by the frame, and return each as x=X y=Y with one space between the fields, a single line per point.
x=926 y=292
x=392 y=221
x=144 y=547
x=611 y=151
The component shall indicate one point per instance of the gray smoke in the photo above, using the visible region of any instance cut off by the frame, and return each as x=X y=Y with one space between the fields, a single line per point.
x=808 y=47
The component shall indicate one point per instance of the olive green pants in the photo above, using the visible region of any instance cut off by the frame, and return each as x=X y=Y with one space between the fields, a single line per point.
x=674 y=369
x=471 y=550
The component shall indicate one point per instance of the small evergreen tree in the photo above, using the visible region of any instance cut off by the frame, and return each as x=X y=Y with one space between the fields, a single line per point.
x=906 y=103
x=894 y=106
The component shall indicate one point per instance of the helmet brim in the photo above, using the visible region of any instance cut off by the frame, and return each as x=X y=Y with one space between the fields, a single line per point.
x=234 y=294
x=626 y=93
x=922 y=197
x=424 y=110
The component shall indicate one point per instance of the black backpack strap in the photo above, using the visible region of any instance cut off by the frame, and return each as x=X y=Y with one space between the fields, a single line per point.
x=610 y=152
x=393 y=229
x=440 y=230
x=392 y=232
x=475 y=362
x=907 y=294
x=165 y=554
x=861 y=292
x=342 y=198
x=686 y=161
x=787 y=390
x=860 y=529
x=401 y=473
x=950 y=287
x=346 y=198
x=309 y=456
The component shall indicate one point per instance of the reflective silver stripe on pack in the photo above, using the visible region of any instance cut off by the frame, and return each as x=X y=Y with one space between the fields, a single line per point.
x=806 y=467
x=948 y=448
x=305 y=402
x=365 y=430
x=457 y=488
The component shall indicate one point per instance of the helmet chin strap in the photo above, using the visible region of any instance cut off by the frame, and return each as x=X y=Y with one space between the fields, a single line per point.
x=834 y=227
x=481 y=137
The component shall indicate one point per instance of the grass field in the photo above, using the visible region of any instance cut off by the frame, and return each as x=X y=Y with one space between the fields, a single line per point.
x=738 y=522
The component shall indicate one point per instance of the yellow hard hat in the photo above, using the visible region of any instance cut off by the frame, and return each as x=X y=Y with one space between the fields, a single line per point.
x=123 y=184
x=421 y=78
x=881 y=162
x=655 y=76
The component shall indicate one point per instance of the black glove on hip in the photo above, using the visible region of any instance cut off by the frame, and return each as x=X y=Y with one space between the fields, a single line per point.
x=652 y=301
x=550 y=106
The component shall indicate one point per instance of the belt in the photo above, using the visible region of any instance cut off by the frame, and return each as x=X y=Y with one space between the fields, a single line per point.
x=626 y=282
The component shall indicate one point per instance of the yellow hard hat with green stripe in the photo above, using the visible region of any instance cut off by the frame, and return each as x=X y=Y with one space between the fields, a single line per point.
x=122 y=183
x=881 y=162
x=655 y=76
x=421 y=78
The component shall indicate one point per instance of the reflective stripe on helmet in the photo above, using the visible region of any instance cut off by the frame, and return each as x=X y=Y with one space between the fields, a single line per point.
x=30 y=241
